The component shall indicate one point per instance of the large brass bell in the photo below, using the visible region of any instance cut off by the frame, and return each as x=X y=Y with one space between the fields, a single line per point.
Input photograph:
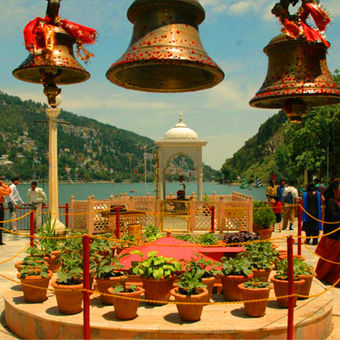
x=59 y=63
x=298 y=78
x=165 y=53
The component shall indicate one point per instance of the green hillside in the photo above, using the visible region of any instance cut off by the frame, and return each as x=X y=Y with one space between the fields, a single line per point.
x=88 y=150
x=289 y=149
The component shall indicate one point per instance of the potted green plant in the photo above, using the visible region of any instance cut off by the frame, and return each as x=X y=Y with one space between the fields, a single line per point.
x=126 y=309
x=263 y=219
x=255 y=289
x=109 y=274
x=304 y=272
x=34 y=251
x=103 y=245
x=262 y=257
x=34 y=273
x=125 y=241
x=235 y=271
x=187 y=238
x=152 y=233
x=157 y=274
x=208 y=239
x=280 y=282
x=206 y=269
x=69 y=283
x=190 y=289
x=50 y=245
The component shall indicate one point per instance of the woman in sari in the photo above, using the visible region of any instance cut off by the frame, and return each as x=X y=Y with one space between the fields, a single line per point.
x=329 y=245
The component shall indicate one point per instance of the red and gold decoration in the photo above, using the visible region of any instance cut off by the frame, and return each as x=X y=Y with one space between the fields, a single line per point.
x=51 y=60
x=166 y=53
x=298 y=77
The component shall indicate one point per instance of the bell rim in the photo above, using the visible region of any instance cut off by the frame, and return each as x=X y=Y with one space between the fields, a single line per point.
x=259 y=103
x=218 y=73
x=84 y=72
x=138 y=4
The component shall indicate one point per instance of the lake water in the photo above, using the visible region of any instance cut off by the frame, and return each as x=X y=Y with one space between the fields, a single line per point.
x=81 y=191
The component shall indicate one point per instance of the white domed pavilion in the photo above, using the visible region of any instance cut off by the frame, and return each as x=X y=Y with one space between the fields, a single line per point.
x=180 y=140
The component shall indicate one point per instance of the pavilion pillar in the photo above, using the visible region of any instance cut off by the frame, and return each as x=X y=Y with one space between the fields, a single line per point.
x=200 y=183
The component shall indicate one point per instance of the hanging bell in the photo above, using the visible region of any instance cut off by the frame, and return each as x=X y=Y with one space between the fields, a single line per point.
x=59 y=63
x=165 y=53
x=297 y=79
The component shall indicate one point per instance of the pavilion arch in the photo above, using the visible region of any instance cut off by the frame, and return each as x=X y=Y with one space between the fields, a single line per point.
x=180 y=140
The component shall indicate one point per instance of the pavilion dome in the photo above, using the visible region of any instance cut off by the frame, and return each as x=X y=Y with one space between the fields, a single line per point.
x=181 y=131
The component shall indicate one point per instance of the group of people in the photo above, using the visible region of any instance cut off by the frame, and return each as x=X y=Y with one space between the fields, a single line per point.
x=10 y=194
x=321 y=211
x=283 y=198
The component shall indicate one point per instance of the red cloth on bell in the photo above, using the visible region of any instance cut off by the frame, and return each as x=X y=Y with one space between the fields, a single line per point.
x=328 y=272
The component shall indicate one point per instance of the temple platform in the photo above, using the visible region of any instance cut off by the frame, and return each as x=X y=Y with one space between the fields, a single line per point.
x=313 y=320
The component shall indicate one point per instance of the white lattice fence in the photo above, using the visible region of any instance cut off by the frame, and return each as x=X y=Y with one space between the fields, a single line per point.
x=203 y=216
x=79 y=210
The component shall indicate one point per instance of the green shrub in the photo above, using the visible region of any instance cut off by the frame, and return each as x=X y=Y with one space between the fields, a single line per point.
x=236 y=266
x=256 y=283
x=207 y=239
x=204 y=268
x=261 y=255
x=152 y=233
x=263 y=215
x=190 y=283
x=154 y=267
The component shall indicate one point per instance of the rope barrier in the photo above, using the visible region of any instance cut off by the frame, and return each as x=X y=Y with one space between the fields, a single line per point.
x=322 y=258
x=17 y=218
x=13 y=257
x=316 y=219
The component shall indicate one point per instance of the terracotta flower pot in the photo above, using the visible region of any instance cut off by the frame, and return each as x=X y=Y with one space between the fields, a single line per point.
x=53 y=261
x=265 y=233
x=231 y=291
x=262 y=274
x=209 y=282
x=69 y=297
x=19 y=266
x=32 y=294
x=285 y=256
x=190 y=312
x=254 y=309
x=126 y=309
x=281 y=289
x=158 y=290
x=103 y=286
x=305 y=289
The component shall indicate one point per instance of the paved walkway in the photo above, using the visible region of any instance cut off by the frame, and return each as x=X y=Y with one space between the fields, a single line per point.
x=16 y=243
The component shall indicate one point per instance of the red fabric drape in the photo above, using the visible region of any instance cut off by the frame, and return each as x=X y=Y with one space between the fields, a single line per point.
x=329 y=249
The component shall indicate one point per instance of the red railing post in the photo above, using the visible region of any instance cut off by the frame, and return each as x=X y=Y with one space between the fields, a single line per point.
x=290 y=326
x=86 y=283
x=212 y=226
x=32 y=231
x=117 y=232
x=299 y=230
x=66 y=215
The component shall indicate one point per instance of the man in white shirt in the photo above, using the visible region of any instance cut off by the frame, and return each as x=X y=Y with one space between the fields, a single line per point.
x=13 y=201
x=36 y=198
x=290 y=196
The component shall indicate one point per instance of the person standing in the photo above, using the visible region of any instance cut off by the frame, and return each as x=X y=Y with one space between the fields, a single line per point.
x=312 y=208
x=290 y=195
x=277 y=208
x=271 y=191
x=329 y=245
x=5 y=190
x=281 y=189
x=319 y=186
x=13 y=202
x=36 y=198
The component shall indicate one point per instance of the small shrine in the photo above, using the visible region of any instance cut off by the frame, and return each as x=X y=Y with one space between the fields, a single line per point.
x=180 y=140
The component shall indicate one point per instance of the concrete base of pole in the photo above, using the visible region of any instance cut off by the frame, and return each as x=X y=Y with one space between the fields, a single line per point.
x=59 y=227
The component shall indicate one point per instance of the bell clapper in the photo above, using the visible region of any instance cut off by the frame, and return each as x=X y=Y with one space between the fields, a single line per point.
x=51 y=90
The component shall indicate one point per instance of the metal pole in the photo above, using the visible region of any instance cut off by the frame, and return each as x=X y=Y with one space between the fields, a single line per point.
x=212 y=228
x=86 y=282
x=32 y=229
x=291 y=300
x=299 y=250
x=117 y=222
x=66 y=215
x=145 y=168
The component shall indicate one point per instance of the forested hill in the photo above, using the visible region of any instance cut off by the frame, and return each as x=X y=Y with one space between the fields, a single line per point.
x=288 y=149
x=88 y=150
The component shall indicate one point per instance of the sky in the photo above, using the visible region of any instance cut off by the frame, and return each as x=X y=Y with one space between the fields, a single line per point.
x=234 y=34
